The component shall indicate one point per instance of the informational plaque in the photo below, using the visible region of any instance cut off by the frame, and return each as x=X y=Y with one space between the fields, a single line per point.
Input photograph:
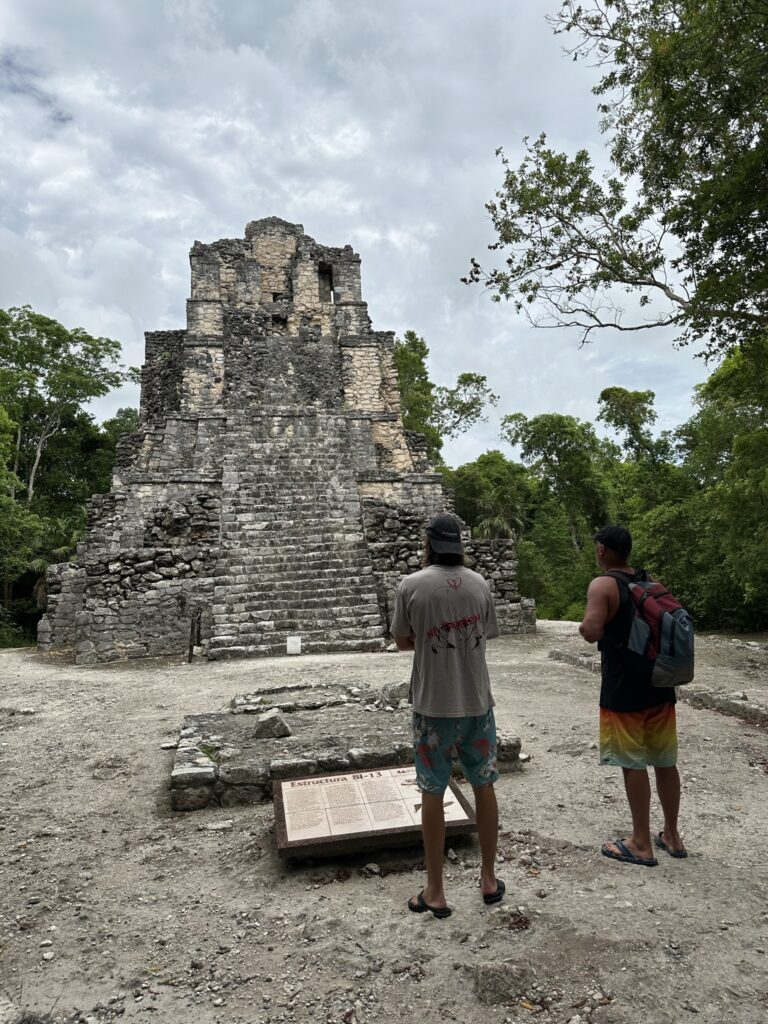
x=320 y=816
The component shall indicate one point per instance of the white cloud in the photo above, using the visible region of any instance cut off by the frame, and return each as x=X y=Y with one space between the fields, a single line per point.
x=130 y=130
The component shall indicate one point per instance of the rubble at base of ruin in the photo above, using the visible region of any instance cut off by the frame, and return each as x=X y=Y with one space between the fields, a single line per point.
x=270 y=490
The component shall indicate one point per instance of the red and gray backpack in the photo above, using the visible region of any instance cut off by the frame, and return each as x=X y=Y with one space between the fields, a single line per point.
x=661 y=630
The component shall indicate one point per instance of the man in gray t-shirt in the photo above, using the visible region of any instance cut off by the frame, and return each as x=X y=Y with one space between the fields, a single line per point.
x=444 y=614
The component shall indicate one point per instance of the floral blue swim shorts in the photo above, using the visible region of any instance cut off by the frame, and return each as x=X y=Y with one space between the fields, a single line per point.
x=437 y=740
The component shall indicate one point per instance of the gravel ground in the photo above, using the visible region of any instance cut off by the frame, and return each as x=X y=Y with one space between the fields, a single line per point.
x=113 y=907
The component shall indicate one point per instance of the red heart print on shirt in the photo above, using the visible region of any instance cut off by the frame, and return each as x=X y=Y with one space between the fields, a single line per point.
x=455 y=582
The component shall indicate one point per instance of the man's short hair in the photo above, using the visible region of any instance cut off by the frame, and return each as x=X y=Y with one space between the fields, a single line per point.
x=616 y=538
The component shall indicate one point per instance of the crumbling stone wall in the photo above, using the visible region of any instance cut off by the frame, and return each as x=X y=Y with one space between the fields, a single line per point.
x=270 y=488
x=395 y=536
x=65 y=584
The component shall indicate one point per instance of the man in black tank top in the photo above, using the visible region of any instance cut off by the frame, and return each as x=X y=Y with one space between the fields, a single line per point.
x=637 y=720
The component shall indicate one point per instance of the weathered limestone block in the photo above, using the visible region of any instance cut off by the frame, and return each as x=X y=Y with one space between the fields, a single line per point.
x=271 y=724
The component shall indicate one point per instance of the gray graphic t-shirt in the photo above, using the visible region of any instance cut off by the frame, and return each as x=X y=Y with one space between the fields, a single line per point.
x=449 y=611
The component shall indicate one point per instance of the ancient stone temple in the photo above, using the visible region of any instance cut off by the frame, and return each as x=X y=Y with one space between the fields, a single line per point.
x=271 y=490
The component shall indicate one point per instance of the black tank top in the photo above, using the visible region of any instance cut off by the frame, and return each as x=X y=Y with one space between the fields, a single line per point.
x=626 y=676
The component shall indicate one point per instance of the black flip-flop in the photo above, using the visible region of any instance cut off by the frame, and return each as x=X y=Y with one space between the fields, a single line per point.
x=625 y=856
x=498 y=896
x=418 y=905
x=658 y=842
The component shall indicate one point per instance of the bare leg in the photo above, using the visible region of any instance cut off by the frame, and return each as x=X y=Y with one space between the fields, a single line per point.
x=668 y=789
x=487 y=813
x=433 y=832
x=638 y=790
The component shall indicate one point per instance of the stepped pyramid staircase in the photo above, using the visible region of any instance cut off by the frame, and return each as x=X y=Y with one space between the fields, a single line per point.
x=293 y=556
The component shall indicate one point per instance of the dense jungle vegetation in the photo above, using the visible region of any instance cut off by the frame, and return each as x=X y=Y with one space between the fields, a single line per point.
x=695 y=499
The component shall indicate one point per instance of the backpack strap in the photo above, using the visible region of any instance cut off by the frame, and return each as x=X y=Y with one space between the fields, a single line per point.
x=622 y=578
x=638 y=576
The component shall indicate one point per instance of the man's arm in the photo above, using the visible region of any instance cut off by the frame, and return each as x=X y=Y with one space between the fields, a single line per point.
x=491 y=623
x=400 y=622
x=600 y=608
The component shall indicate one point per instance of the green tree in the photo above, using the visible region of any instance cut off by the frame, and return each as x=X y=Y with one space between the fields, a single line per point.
x=725 y=449
x=47 y=373
x=417 y=392
x=630 y=413
x=20 y=532
x=648 y=474
x=550 y=569
x=56 y=542
x=682 y=222
x=490 y=494
x=566 y=454
x=8 y=481
x=433 y=410
x=500 y=515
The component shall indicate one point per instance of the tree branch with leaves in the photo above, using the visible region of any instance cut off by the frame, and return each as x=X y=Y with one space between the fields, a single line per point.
x=682 y=219
x=435 y=411
x=47 y=373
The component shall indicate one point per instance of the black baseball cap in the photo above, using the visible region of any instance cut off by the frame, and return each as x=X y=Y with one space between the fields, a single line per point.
x=444 y=535
x=616 y=538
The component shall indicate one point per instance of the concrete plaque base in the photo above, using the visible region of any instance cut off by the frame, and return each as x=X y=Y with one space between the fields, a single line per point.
x=324 y=816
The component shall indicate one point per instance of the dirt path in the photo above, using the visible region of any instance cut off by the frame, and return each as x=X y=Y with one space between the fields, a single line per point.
x=113 y=907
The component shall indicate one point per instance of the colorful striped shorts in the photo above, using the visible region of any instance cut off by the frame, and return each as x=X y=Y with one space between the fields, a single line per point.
x=637 y=739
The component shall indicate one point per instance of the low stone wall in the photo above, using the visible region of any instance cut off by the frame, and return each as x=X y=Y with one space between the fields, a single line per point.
x=395 y=544
x=736 y=705
x=220 y=761
x=65 y=584
x=142 y=604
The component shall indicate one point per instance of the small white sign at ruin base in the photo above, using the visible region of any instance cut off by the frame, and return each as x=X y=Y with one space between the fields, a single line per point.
x=293 y=645
x=363 y=807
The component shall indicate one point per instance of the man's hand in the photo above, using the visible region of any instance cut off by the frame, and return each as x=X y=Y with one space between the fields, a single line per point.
x=405 y=643
x=602 y=605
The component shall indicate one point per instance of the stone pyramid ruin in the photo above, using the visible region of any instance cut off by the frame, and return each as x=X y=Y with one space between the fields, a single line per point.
x=271 y=490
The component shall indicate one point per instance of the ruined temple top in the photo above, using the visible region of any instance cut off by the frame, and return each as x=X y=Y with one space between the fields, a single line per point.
x=269 y=225
x=275 y=262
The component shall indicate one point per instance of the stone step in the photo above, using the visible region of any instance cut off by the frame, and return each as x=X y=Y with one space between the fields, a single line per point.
x=289 y=526
x=330 y=516
x=319 y=640
x=285 y=597
x=275 y=542
x=228 y=636
x=279 y=471
x=311 y=647
x=299 y=568
x=281 y=596
x=233 y=612
x=302 y=573
x=265 y=607
x=350 y=622
x=281 y=590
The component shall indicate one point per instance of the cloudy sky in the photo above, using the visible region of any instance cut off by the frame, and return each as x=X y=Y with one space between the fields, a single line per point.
x=131 y=129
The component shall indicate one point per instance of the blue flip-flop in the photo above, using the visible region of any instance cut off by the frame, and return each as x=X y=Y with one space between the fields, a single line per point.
x=658 y=842
x=626 y=856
